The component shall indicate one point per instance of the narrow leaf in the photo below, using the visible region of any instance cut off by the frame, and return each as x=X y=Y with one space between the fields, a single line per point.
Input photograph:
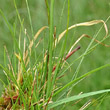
x=76 y=97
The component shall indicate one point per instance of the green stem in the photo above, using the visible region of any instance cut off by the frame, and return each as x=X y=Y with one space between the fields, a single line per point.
x=50 y=48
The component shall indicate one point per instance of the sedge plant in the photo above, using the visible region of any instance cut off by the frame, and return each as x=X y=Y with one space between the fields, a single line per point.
x=32 y=85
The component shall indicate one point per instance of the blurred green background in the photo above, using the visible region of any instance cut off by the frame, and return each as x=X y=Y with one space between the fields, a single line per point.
x=80 y=11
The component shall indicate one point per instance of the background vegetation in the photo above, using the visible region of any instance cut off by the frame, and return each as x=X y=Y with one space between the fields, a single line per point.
x=80 y=11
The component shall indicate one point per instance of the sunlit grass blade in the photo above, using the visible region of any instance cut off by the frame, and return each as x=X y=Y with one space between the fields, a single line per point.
x=73 y=98
x=90 y=23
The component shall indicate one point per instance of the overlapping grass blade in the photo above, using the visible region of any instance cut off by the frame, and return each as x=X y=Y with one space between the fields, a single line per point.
x=81 y=77
x=73 y=98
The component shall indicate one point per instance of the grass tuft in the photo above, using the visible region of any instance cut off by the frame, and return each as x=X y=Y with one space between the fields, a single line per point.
x=33 y=81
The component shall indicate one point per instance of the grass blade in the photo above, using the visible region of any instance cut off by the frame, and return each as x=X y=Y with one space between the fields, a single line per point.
x=76 y=97
x=50 y=48
x=81 y=77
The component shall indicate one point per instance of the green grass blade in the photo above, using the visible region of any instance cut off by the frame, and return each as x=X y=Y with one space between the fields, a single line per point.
x=30 y=18
x=101 y=101
x=50 y=48
x=89 y=51
x=48 y=11
x=13 y=35
x=7 y=23
x=63 y=48
x=81 y=77
x=80 y=63
x=18 y=15
x=65 y=100
x=61 y=17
